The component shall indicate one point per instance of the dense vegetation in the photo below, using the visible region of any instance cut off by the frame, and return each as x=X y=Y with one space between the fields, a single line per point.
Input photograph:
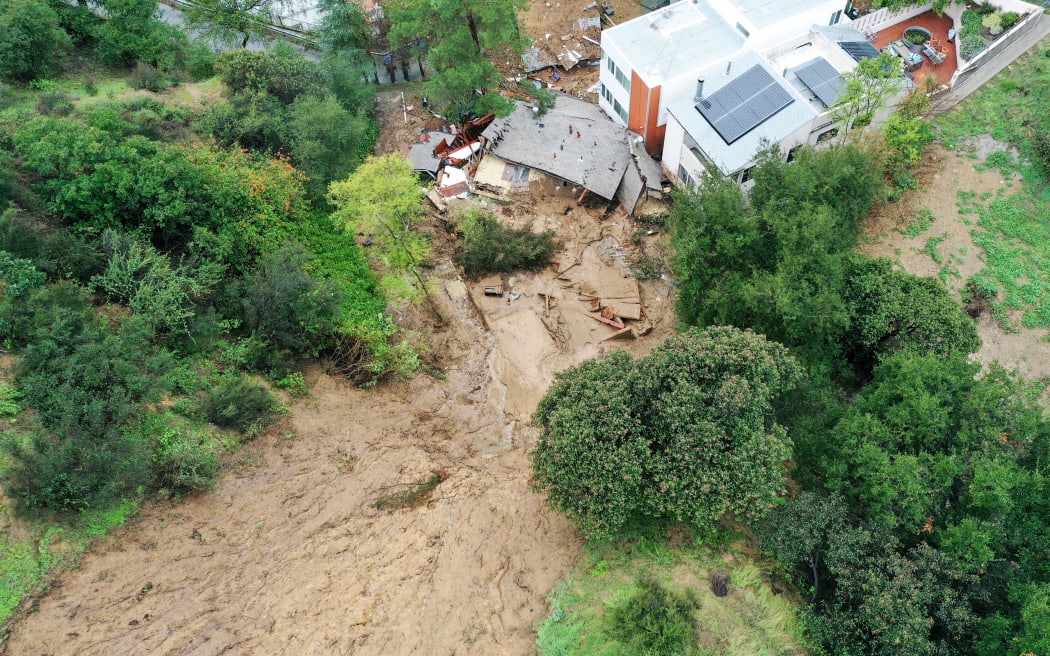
x=685 y=433
x=923 y=523
x=164 y=266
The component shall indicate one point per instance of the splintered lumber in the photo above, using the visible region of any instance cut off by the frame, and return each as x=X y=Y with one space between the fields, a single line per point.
x=611 y=322
x=623 y=333
x=627 y=310
x=436 y=200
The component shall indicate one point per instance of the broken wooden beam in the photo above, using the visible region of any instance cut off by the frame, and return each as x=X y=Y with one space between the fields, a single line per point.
x=611 y=322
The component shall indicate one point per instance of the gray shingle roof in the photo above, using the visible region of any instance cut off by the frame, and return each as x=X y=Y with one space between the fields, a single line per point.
x=573 y=141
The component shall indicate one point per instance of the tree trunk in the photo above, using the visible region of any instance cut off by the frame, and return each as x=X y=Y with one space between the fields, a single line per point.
x=419 y=60
x=473 y=28
x=244 y=41
x=814 y=559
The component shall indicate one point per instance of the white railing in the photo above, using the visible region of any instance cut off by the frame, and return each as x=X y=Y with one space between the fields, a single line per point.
x=880 y=19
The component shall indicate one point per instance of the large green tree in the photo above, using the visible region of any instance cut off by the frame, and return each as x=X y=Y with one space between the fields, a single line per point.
x=462 y=38
x=686 y=433
x=865 y=90
x=32 y=42
x=233 y=22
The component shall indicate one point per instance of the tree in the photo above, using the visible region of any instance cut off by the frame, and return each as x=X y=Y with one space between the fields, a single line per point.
x=800 y=532
x=286 y=306
x=893 y=310
x=685 y=433
x=866 y=89
x=461 y=38
x=232 y=22
x=32 y=41
x=328 y=141
x=133 y=32
x=382 y=199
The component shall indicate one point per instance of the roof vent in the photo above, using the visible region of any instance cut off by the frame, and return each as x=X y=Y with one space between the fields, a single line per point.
x=699 y=95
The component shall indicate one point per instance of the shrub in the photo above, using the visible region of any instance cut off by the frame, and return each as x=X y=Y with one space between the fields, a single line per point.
x=182 y=460
x=236 y=402
x=655 y=620
x=54 y=102
x=1009 y=19
x=1040 y=143
x=32 y=40
x=200 y=61
x=287 y=307
x=294 y=384
x=9 y=399
x=150 y=78
x=491 y=247
x=972 y=46
x=971 y=24
x=994 y=23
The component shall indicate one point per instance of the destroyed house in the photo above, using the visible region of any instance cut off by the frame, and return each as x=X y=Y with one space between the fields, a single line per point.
x=576 y=143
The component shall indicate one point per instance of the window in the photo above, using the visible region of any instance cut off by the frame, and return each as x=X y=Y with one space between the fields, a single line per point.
x=620 y=76
x=835 y=17
x=743 y=30
x=827 y=136
x=607 y=94
x=791 y=153
x=620 y=111
x=685 y=178
x=745 y=175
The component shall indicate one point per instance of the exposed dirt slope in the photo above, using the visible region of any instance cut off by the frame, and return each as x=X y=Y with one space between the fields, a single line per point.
x=289 y=556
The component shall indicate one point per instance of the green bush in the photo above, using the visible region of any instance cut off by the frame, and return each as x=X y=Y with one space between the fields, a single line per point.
x=491 y=247
x=53 y=251
x=1009 y=19
x=238 y=403
x=287 y=307
x=85 y=383
x=54 y=102
x=200 y=61
x=1040 y=143
x=32 y=41
x=151 y=78
x=655 y=620
x=182 y=460
x=971 y=24
x=972 y=46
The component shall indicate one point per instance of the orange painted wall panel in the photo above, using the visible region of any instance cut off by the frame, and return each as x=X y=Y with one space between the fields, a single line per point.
x=637 y=113
x=654 y=135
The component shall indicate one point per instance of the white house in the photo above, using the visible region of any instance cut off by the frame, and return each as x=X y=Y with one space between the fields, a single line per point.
x=707 y=82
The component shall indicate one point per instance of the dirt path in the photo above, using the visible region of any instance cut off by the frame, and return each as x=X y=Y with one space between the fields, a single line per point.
x=945 y=174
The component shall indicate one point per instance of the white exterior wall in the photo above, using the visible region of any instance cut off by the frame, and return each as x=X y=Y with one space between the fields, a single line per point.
x=606 y=77
x=785 y=37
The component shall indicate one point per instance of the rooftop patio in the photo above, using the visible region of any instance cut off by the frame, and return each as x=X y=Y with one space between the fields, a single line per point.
x=936 y=25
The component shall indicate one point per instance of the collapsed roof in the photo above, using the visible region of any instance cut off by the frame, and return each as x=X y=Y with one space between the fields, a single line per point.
x=574 y=141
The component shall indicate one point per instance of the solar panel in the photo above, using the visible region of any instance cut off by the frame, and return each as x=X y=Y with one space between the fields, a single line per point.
x=744 y=104
x=822 y=79
x=859 y=49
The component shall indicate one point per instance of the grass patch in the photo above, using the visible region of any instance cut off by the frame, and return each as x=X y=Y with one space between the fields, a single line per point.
x=1013 y=230
x=407 y=495
x=1012 y=227
x=931 y=248
x=585 y=605
x=26 y=566
x=922 y=221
